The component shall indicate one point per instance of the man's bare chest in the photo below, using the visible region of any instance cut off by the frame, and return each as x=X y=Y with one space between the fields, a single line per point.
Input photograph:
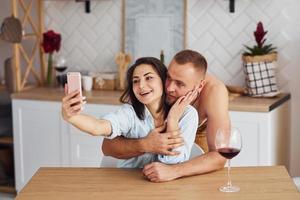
x=198 y=105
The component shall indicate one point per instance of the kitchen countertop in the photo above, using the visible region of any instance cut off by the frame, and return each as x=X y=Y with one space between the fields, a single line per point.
x=237 y=103
x=56 y=94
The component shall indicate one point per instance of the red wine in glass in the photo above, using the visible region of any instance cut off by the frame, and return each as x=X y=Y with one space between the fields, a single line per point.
x=228 y=144
x=60 y=68
x=60 y=77
x=228 y=153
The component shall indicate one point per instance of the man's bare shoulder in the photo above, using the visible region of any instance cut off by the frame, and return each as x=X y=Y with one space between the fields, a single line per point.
x=213 y=88
x=213 y=97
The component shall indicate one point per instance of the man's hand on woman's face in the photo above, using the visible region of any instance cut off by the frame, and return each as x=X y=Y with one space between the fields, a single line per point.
x=72 y=104
x=160 y=142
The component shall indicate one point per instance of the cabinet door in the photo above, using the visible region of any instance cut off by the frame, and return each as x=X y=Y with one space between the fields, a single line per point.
x=37 y=138
x=85 y=150
x=255 y=133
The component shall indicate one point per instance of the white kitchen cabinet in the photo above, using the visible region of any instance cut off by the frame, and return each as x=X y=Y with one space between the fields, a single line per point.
x=85 y=150
x=42 y=138
x=37 y=138
x=265 y=136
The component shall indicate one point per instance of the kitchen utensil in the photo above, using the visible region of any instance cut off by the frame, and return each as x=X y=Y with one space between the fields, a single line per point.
x=124 y=70
x=122 y=61
x=9 y=76
x=119 y=59
x=11 y=30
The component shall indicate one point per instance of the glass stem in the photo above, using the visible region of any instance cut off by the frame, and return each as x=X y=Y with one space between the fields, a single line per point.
x=228 y=174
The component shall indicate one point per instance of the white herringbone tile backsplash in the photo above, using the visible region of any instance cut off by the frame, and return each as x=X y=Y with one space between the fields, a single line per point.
x=220 y=35
x=90 y=41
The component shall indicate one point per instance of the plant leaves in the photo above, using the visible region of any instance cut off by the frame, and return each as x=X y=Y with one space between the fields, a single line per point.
x=260 y=48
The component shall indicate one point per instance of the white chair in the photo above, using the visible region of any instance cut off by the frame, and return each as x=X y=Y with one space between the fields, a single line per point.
x=108 y=161
x=196 y=151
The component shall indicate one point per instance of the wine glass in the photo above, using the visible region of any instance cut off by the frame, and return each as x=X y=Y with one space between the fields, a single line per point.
x=60 y=66
x=228 y=143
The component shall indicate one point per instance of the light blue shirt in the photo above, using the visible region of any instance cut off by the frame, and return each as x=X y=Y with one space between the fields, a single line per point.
x=125 y=122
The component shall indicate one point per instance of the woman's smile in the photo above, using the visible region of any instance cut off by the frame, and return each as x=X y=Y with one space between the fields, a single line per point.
x=147 y=85
x=145 y=93
x=145 y=97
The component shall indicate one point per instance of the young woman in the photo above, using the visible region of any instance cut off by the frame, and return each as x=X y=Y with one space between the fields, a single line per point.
x=144 y=109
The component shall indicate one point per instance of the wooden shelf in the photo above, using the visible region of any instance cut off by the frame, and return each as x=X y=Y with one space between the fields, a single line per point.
x=6 y=140
x=2 y=87
x=32 y=18
x=7 y=189
x=29 y=35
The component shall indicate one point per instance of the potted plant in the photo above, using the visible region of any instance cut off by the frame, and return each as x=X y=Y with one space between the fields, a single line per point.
x=259 y=65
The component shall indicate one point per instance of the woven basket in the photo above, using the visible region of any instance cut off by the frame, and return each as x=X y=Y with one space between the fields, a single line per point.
x=264 y=58
x=260 y=74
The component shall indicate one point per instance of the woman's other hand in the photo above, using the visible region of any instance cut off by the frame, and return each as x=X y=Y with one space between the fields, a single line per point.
x=179 y=106
x=72 y=104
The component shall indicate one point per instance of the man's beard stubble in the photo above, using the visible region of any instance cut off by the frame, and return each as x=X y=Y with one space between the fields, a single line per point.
x=171 y=100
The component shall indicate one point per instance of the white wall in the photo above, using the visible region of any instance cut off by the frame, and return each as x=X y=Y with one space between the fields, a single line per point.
x=220 y=36
x=90 y=41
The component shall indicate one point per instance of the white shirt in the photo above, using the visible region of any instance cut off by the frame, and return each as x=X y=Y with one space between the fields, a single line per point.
x=125 y=122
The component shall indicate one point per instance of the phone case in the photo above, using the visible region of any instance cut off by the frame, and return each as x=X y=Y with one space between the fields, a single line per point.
x=74 y=82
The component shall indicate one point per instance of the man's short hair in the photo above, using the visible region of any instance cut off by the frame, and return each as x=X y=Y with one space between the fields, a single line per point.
x=190 y=56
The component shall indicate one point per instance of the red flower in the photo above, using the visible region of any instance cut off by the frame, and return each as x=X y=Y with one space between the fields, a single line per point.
x=51 y=41
x=259 y=34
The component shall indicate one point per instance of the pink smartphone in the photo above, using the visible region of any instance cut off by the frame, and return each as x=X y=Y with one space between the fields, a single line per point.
x=74 y=82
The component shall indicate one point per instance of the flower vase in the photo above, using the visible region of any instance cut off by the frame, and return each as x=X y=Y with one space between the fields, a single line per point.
x=50 y=70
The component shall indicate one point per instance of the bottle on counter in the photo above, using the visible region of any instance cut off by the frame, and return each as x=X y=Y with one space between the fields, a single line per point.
x=162 y=56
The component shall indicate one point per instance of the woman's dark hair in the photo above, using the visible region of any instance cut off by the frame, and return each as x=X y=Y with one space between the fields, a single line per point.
x=128 y=95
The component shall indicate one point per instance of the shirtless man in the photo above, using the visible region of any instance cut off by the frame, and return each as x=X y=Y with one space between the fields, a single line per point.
x=211 y=104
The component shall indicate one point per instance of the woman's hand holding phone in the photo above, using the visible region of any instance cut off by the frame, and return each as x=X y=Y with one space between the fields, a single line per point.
x=74 y=82
x=72 y=103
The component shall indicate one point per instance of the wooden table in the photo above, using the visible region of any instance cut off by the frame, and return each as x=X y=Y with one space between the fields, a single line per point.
x=103 y=183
